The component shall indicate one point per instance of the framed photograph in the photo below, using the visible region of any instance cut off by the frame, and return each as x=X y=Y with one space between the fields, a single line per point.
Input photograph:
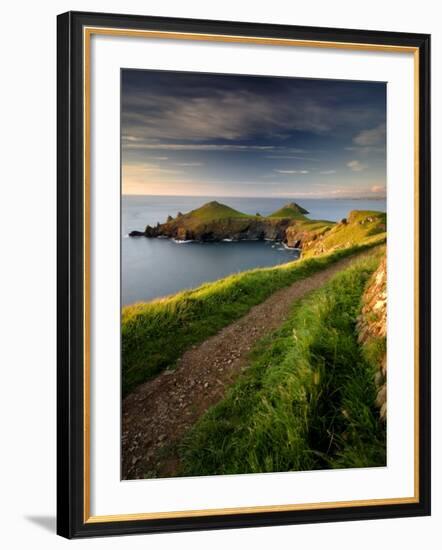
x=243 y=274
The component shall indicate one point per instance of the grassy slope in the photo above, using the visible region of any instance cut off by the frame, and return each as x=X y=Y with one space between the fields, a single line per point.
x=292 y=211
x=156 y=333
x=325 y=235
x=213 y=215
x=362 y=226
x=214 y=211
x=307 y=399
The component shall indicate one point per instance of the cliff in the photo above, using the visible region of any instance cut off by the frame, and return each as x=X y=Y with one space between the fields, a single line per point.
x=217 y=222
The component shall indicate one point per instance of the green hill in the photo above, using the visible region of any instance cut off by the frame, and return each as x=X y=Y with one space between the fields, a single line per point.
x=214 y=210
x=291 y=210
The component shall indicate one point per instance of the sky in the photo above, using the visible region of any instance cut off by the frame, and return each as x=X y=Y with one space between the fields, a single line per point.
x=219 y=135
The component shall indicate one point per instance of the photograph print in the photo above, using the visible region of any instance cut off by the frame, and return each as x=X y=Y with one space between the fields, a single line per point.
x=253 y=274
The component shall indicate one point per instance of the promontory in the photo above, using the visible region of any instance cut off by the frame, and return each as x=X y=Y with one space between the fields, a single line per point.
x=214 y=222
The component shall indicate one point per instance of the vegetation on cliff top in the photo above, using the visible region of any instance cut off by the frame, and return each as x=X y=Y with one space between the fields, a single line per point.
x=215 y=221
x=291 y=210
x=361 y=226
x=213 y=210
x=155 y=334
x=307 y=399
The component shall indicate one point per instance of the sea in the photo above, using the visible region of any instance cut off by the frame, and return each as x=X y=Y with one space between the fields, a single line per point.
x=153 y=268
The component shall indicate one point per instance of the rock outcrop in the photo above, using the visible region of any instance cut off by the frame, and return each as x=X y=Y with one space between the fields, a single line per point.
x=301 y=235
x=372 y=327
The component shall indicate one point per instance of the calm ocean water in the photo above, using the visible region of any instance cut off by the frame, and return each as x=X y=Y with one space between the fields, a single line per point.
x=157 y=267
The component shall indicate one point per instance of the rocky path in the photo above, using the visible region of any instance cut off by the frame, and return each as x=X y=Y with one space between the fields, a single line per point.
x=159 y=412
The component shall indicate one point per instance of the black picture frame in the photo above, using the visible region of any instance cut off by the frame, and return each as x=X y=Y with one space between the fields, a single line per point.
x=71 y=519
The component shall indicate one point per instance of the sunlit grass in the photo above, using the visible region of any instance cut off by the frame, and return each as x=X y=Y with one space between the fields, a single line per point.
x=155 y=334
x=307 y=398
x=362 y=226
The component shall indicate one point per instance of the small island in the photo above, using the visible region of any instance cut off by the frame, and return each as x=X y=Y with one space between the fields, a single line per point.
x=215 y=222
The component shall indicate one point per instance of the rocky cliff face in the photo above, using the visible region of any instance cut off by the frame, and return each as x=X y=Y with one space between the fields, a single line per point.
x=372 y=327
x=239 y=229
x=302 y=235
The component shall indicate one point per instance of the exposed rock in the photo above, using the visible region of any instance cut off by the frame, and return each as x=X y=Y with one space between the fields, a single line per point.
x=373 y=319
x=299 y=236
x=372 y=324
x=136 y=234
x=236 y=229
x=182 y=234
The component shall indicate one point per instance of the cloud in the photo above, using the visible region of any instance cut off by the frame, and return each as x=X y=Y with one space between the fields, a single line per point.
x=233 y=124
x=356 y=166
x=292 y=171
x=139 y=178
x=143 y=170
x=130 y=138
x=374 y=136
x=220 y=114
x=378 y=189
x=203 y=112
x=199 y=147
x=290 y=157
x=366 y=150
x=188 y=164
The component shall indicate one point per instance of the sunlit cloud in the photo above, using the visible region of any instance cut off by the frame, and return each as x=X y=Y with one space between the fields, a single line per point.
x=292 y=171
x=139 y=178
x=356 y=166
x=291 y=157
x=378 y=189
x=188 y=164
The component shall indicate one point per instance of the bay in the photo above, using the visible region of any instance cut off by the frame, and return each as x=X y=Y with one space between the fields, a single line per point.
x=152 y=268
